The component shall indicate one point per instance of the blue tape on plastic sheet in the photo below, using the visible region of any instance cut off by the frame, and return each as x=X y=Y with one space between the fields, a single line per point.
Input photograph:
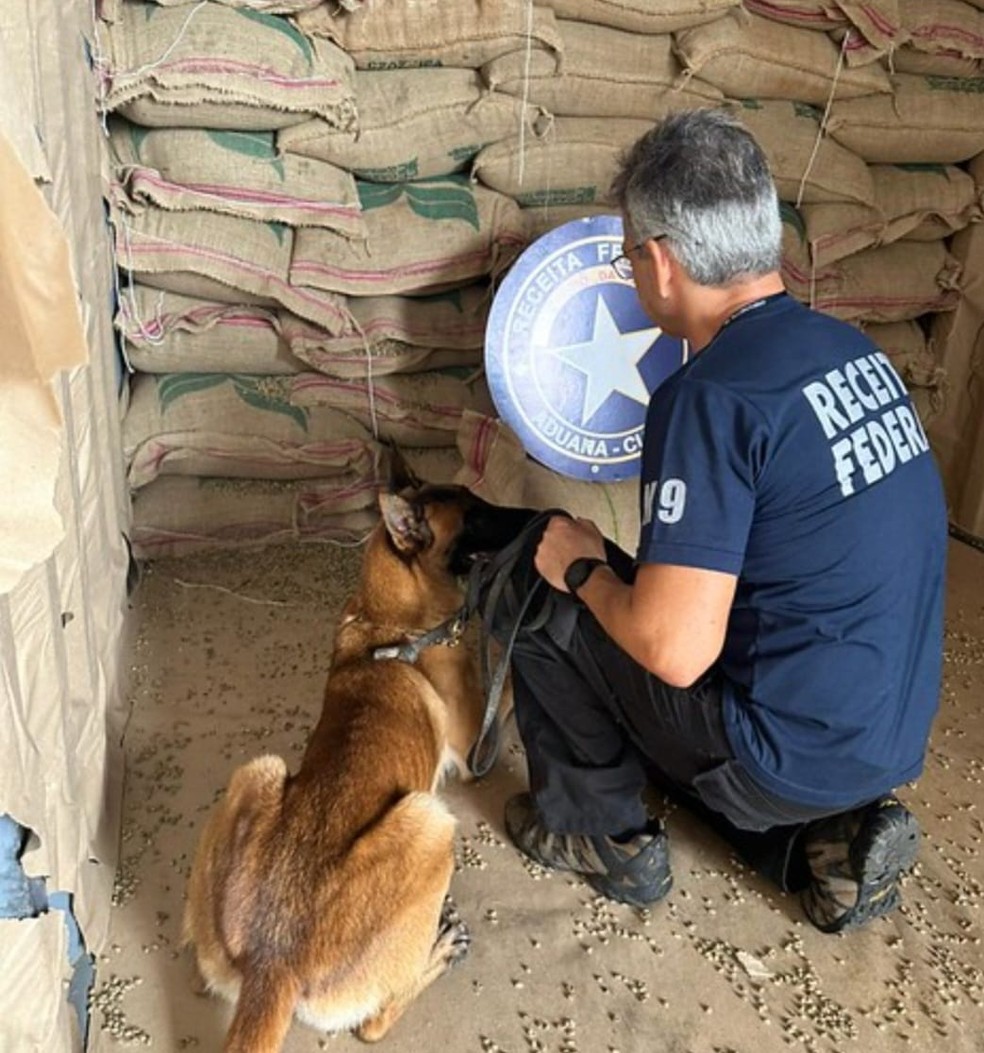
x=17 y=896
x=25 y=897
x=571 y=357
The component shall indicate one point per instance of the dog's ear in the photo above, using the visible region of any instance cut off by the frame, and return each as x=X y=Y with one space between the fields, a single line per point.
x=406 y=523
x=401 y=475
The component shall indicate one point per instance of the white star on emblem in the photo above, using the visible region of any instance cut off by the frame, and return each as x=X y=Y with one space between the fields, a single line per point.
x=609 y=360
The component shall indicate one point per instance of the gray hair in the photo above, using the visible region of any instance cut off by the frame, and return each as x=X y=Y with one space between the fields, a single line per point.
x=700 y=179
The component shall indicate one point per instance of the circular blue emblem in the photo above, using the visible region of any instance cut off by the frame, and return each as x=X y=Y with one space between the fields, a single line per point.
x=571 y=357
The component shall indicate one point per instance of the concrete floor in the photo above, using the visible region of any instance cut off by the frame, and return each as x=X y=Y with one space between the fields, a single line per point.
x=229 y=660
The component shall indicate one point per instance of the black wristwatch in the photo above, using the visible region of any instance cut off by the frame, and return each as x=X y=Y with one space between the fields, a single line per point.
x=579 y=571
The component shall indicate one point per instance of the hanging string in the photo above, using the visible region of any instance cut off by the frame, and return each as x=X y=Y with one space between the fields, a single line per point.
x=135 y=73
x=370 y=383
x=822 y=130
x=154 y=334
x=813 y=279
x=527 y=66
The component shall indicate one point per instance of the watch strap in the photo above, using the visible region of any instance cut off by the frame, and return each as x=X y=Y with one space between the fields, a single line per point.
x=579 y=571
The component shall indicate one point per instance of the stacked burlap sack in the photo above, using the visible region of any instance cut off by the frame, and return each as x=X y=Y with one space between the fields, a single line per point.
x=312 y=204
x=305 y=262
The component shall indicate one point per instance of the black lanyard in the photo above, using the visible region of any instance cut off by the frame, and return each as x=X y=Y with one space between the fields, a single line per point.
x=745 y=308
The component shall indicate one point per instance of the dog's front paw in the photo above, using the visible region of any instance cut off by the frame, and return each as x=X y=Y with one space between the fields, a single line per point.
x=459 y=939
x=453 y=936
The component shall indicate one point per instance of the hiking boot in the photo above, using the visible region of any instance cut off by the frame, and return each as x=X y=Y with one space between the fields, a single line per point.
x=856 y=859
x=635 y=872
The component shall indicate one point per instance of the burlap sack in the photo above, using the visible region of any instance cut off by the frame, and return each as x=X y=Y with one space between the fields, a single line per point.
x=166 y=333
x=802 y=276
x=433 y=464
x=454 y=319
x=273 y=7
x=220 y=67
x=887 y=283
x=878 y=21
x=469 y=33
x=398 y=334
x=390 y=356
x=863 y=31
x=178 y=516
x=806 y=166
x=917 y=202
x=540 y=219
x=413 y=124
x=875 y=30
x=937 y=37
x=603 y=73
x=928 y=119
x=840 y=229
x=109 y=10
x=222 y=258
x=907 y=59
x=497 y=469
x=238 y=173
x=761 y=59
x=931 y=228
x=957 y=434
x=419 y=409
x=948 y=27
x=823 y=15
x=426 y=235
x=906 y=345
x=975 y=169
x=643 y=16
x=491 y=458
x=236 y=425
x=897 y=338
x=924 y=202
x=175 y=517
x=891 y=283
x=573 y=164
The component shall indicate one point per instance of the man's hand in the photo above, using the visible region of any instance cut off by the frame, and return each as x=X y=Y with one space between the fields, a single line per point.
x=672 y=620
x=564 y=541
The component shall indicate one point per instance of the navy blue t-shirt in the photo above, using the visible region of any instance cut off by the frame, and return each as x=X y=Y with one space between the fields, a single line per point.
x=788 y=453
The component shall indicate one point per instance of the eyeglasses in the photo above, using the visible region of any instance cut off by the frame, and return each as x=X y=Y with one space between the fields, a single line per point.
x=622 y=264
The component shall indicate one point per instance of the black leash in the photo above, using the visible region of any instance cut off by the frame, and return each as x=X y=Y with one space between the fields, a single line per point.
x=493 y=576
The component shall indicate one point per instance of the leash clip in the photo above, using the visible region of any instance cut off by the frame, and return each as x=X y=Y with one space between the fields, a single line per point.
x=448 y=633
x=383 y=654
x=456 y=629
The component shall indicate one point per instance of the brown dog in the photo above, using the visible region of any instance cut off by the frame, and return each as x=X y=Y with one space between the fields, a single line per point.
x=322 y=894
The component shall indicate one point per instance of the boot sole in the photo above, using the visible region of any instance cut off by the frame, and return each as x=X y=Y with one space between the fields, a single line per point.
x=878 y=860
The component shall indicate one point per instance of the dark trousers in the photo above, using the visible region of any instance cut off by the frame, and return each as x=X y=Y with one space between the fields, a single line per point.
x=598 y=727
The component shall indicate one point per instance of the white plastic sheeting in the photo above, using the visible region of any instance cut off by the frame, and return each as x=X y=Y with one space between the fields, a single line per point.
x=62 y=602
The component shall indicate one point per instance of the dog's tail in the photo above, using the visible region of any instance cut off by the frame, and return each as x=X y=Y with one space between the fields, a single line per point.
x=264 y=1011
